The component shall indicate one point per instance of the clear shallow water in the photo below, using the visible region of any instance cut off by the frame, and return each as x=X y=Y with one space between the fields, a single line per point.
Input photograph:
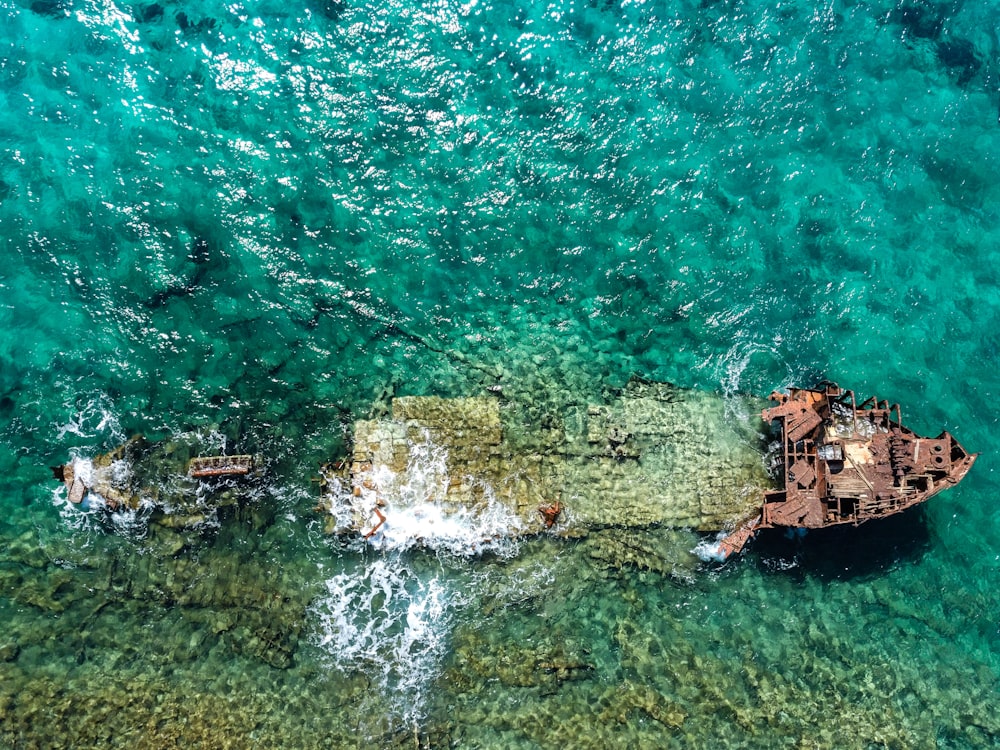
x=261 y=220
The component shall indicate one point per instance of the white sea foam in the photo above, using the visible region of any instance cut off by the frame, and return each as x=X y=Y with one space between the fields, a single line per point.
x=96 y=417
x=419 y=513
x=76 y=516
x=381 y=616
x=460 y=531
x=385 y=620
x=710 y=550
x=132 y=522
x=94 y=511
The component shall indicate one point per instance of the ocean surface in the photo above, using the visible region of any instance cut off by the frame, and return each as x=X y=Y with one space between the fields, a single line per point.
x=255 y=222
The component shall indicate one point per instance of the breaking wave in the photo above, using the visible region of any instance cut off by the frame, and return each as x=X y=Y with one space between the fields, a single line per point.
x=388 y=617
x=92 y=417
x=93 y=512
x=709 y=550
x=411 y=509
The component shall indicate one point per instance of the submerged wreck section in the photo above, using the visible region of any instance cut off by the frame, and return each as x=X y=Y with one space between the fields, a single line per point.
x=167 y=480
x=650 y=454
x=846 y=463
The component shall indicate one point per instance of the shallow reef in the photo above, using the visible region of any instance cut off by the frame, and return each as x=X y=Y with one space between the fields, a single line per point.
x=647 y=676
x=570 y=642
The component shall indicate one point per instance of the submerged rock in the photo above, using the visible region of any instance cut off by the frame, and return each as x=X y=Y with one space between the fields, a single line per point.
x=664 y=551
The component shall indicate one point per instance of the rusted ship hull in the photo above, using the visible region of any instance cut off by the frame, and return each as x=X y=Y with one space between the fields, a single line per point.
x=847 y=463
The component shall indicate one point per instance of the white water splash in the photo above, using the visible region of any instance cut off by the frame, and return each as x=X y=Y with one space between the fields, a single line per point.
x=384 y=618
x=96 y=417
x=93 y=512
x=390 y=623
x=460 y=532
x=400 y=511
x=711 y=550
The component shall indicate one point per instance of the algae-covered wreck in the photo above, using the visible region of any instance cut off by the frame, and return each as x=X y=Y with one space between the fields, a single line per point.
x=648 y=455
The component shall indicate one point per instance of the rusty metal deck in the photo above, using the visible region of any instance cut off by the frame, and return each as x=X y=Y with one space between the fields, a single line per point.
x=219 y=466
x=847 y=463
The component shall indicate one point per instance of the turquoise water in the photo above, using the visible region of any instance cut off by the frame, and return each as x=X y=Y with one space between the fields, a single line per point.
x=257 y=220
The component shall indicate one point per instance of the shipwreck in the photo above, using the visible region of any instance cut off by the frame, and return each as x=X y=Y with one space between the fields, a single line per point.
x=468 y=473
x=169 y=480
x=847 y=463
x=651 y=455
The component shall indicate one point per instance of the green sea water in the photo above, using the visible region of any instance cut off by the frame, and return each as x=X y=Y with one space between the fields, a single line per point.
x=257 y=221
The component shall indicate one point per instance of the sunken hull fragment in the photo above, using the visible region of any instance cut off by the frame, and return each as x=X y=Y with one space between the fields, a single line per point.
x=167 y=480
x=847 y=463
x=650 y=455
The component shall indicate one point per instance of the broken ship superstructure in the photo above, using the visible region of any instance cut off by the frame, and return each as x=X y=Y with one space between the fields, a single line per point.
x=844 y=462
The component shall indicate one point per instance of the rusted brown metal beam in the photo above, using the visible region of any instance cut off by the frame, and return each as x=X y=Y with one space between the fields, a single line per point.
x=219 y=466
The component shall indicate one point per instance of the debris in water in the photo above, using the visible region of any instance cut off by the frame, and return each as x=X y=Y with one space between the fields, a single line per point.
x=550 y=513
x=219 y=466
x=162 y=477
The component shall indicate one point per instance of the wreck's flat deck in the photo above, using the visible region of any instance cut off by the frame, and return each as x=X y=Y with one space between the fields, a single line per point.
x=652 y=454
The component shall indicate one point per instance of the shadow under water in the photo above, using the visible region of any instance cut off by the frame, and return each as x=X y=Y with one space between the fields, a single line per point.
x=846 y=552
